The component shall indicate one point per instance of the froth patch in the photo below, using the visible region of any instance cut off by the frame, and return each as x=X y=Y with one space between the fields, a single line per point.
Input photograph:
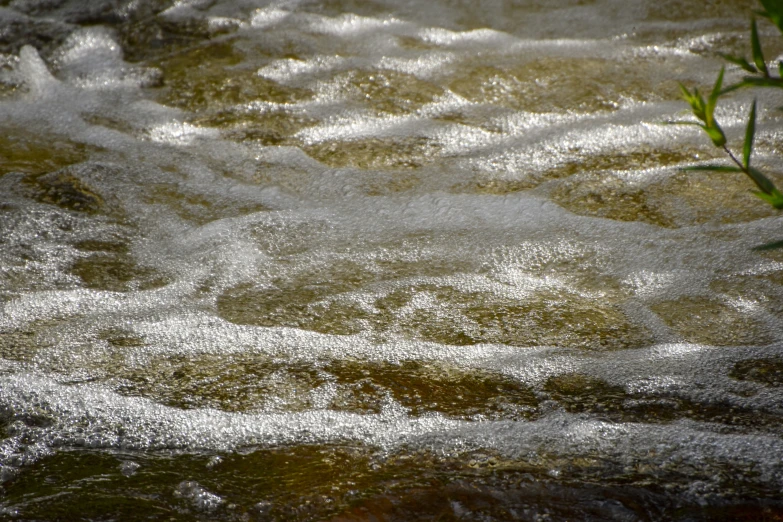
x=130 y=423
x=94 y=45
x=267 y=17
x=177 y=133
x=351 y=25
x=34 y=72
x=134 y=423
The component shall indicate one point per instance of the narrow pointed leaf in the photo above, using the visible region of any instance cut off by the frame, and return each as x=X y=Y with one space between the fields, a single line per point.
x=688 y=97
x=775 y=199
x=774 y=11
x=741 y=61
x=762 y=82
x=750 y=132
x=695 y=100
x=734 y=87
x=684 y=123
x=712 y=101
x=761 y=181
x=714 y=168
x=755 y=44
x=700 y=103
x=716 y=88
x=769 y=246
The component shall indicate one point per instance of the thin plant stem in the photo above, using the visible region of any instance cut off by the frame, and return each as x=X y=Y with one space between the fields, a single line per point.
x=734 y=158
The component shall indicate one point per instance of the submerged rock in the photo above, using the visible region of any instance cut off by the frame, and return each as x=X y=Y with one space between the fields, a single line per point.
x=67 y=191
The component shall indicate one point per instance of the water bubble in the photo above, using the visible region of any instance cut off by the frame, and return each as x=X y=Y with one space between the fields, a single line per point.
x=129 y=468
x=198 y=496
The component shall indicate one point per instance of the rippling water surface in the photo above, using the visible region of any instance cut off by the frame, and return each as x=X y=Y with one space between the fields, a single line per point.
x=342 y=259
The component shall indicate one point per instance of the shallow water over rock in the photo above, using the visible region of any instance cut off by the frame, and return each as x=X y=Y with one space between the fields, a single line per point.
x=337 y=260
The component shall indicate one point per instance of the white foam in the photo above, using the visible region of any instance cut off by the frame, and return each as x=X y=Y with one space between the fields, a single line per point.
x=484 y=37
x=91 y=58
x=94 y=45
x=132 y=423
x=34 y=73
x=356 y=126
x=424 y=65
x=178 y=133
x=270 y=216
x=286 y=70
x=267 y=17
x=201 y=498
x=351 y=25
x=186 y=9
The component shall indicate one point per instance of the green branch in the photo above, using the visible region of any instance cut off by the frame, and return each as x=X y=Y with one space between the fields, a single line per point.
x=704 y=110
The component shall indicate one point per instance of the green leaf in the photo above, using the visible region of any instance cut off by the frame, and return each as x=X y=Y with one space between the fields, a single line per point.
x=761 y=82
x=734 y=87
x=714 y=168
x=761 y=181
x=769 y=246
x=755 y=44
x=774 y=11
x=775 y=199
x=712 y=101
x=741 y=61
x=696 y=101
x=716 y=134
x=684 y=123
x=687 y=96
x=750 y=132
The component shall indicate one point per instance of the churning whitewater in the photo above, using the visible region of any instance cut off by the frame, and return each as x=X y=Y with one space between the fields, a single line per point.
x=304 y=260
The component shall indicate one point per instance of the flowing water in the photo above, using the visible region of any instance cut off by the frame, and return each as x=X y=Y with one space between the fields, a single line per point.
x=345 y=259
